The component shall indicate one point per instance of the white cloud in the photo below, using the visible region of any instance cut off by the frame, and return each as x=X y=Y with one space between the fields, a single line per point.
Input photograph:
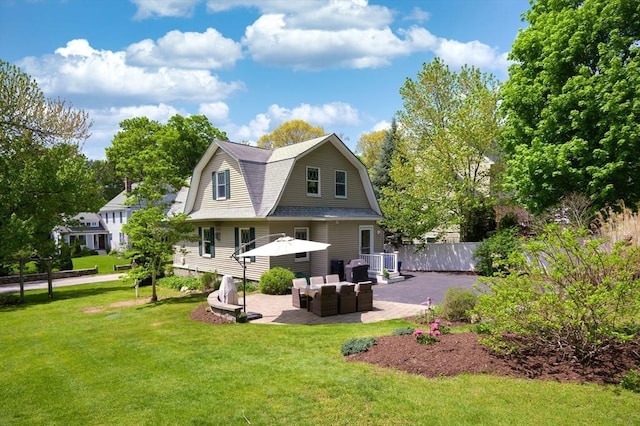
x=456 y=53
x=216 y=112
x=417 y=15
x=381 y=125
x=270 y=41
x=104 y=76
x=208 y=50
x=160 y=8
x=331 y=114
x=106 y=123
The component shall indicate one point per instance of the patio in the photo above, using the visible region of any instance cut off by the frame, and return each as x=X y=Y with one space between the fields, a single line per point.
x=278 y=310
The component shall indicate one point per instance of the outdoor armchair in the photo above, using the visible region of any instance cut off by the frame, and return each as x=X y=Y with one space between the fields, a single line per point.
x=364 y=296
x=299 y=298
x=334 y=278
x=324 y=301
x=346 y=299
x=316 y=281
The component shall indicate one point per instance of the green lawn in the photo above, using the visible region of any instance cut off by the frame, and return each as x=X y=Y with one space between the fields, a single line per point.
x=76 y=360
x=104 y=262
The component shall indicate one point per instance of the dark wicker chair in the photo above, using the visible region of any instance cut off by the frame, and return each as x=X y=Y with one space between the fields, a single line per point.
x=347 y=299
x=324 y=301
x=299 y=297
x=364 y=296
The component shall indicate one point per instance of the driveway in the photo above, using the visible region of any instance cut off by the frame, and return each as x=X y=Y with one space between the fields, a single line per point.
x=418 y=286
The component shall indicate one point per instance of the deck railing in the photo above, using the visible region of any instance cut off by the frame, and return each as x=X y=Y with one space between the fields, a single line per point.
x=379 y=261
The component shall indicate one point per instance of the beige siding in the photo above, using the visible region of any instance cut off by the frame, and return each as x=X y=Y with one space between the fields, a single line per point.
x=239 y=194
x=328 y=159
x=223 y=263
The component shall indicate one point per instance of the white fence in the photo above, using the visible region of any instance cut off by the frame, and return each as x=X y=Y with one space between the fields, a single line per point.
x=438 y=257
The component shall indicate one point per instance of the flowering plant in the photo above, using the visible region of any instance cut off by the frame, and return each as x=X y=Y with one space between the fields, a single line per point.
x=431 y=336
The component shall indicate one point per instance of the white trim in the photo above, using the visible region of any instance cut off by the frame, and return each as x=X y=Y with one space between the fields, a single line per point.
x=335 y=184
x=306 y=229
x=371 y=238
x=311 y=194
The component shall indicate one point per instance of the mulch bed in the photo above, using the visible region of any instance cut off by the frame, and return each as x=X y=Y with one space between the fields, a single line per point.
x=460 y=353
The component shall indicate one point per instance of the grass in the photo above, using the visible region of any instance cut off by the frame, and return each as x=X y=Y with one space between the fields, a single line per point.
x=104 y=262
x=151 y=364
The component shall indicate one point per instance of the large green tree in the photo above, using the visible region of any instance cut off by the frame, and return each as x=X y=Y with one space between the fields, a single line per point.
x=368 y=148
x=43 y=175
x=572 y=103
x=106 y=177
x=440 y=175
x=289 y=133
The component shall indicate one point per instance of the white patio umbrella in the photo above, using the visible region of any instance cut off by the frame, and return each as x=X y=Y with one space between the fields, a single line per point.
x=279 y=247
x=285 y=245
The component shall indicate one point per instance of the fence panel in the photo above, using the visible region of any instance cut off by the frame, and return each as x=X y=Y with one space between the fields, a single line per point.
x=450 y=257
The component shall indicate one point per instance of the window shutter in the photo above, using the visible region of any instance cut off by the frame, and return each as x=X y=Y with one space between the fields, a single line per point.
x=236 y=238
x=214 y=186
x=213 y=242
x=200 y=241
x=228 y=184
x=252 y=236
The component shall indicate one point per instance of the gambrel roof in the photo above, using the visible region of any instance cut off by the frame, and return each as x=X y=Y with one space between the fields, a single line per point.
x=266 y=173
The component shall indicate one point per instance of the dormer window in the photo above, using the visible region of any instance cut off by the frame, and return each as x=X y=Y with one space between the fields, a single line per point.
x=221 y=186
x=313 y=181
x=341 y=184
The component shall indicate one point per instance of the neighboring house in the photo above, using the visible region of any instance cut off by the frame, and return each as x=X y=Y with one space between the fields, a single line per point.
x=116 y=213
x=88 y=229
x=316 y=190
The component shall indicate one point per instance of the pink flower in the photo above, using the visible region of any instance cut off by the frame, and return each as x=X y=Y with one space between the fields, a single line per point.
x=436 y=332
x=418 y=332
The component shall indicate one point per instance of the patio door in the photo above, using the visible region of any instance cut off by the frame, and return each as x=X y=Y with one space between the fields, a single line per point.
x=366 y=239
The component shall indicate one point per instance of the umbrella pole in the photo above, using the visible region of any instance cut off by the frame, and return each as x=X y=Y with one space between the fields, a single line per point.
x=244 y=284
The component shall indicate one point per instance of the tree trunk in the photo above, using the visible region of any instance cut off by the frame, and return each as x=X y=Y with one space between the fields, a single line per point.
x=154 y=296
x=21 y=280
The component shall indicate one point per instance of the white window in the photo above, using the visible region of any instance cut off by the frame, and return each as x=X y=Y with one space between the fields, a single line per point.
x=207 y=244
x=313 y=181
x=341 y=184
x=301 y=234
x=221 y=185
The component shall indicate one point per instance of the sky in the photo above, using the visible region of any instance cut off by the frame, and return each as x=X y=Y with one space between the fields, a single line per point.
x=248 y=65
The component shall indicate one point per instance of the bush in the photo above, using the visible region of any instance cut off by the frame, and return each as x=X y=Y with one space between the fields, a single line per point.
x=210 y=280
x=458 y=304
x=176 y=282
x=429 y=315
x=403 y=331
x=493 y=253
x=631 y=381
x=570 y=293
x=276 y=281
x=357 y=345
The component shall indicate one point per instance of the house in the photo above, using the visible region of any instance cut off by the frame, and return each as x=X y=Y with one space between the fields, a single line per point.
x=316 y=190
x=117 y=212
x=88 y=229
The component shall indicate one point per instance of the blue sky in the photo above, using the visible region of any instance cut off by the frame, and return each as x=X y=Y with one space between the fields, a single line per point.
x=248 y=65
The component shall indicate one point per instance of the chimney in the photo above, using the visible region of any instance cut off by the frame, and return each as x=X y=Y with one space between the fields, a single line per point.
x=127 y=185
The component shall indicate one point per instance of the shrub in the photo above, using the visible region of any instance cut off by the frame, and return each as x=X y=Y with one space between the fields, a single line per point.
x=403 y=331
x=493 y=253
x=458 y=304
x=276 y=281
x=568 y=293
x=631 y=381
x=177 y=282
x=357 y=345
x=210 y=280
x=429 y=315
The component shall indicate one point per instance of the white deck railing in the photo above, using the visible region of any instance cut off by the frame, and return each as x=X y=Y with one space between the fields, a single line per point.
x=379 y=261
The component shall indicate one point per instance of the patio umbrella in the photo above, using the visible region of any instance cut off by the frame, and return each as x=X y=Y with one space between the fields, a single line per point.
x=279 y=247
x=285 y=245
